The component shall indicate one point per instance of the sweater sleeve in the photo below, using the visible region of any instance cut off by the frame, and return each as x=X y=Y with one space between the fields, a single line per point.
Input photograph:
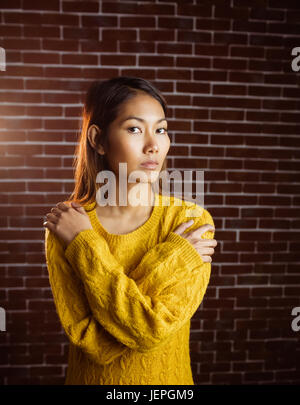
x=72 y=307
x=162 y=293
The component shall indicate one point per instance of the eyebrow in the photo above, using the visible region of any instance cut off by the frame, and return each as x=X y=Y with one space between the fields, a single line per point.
x=140 y=119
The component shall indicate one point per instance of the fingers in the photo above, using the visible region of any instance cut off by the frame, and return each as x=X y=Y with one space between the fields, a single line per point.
x=205 y=228
x=78 y=207
x=206 y=259
x=182 y=227
x=207 y=251
x=59 y=208
x=63 y=206
x=197 y=233
x=50 y=225
x=52 y=218
x=207 y=242
x=56 y=211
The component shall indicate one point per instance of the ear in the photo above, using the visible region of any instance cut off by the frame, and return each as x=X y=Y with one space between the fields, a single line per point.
x=92 y=132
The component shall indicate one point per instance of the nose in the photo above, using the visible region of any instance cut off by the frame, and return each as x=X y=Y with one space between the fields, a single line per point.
x=151 y=144
x=151 y=147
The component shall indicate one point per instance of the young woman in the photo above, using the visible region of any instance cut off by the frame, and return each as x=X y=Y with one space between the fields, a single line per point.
x=126 y=279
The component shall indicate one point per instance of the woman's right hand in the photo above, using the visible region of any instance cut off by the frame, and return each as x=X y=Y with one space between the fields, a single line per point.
x=205 y=247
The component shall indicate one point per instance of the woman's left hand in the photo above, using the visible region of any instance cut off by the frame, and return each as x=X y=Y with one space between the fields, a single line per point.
x=66 y=221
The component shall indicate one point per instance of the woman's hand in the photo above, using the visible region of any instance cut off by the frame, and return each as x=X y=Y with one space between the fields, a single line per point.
x=66 y=221
x=205 y=247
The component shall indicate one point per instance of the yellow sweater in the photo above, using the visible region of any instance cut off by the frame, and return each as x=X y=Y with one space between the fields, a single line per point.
x=125 y=301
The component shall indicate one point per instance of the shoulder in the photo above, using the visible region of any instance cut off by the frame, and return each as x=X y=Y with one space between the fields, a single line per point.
x=177 y=211
x=52 y=242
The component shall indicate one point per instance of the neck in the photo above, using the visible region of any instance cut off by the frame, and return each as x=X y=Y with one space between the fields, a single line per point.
x=137 y=201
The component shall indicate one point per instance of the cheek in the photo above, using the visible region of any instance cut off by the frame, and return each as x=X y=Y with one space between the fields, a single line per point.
x=127 y=151
x=133 y=145
x=164 y=144
x=123 y=147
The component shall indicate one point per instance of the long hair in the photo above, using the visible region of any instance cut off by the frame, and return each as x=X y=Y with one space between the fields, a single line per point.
x=102 y=105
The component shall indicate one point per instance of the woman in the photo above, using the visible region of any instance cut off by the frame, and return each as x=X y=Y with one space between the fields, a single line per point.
x=125 y=278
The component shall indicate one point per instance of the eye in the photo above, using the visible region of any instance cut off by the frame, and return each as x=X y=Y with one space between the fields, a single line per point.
x=132 y=128
x=162 y=133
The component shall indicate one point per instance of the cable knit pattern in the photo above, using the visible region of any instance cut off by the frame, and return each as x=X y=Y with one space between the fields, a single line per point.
x=125 y=301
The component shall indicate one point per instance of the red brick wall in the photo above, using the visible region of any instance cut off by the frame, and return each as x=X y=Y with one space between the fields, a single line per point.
x=225 y=69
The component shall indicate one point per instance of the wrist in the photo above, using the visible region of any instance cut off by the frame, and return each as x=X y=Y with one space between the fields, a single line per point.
x=69 y=240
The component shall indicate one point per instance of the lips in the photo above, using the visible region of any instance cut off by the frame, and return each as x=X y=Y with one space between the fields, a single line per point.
x=150 y=164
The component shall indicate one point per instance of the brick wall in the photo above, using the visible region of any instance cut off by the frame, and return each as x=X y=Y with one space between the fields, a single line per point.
x=225 y=69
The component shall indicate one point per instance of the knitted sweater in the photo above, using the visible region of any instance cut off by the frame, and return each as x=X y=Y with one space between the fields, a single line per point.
x=125 y=301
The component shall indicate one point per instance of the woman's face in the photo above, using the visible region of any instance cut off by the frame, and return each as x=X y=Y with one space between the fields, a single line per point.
x=133 y=142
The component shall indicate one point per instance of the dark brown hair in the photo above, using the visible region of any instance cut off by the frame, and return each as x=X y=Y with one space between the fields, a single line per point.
x=101 y=108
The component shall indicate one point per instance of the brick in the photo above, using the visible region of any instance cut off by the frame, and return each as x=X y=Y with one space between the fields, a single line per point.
x=35 y=5
x=191 y=113
x=237 y=292
x=205 y=49
x=261 y=13
x=153 y=60
x=247 y=51
x=117 y=34
x=214 y=25
x=101 y=46
x=192 y=36
x=265 y=91
x=38 y=371
x=231 y=12
x=39 y=32
x=227 y=378
x=230 y=38
x=12 y=84
x=268 y=292
x=66 y=45
x=208 y=151
x=82 y=59
x=13 y=43
x=229 y=63
x=265 y=236
x=134 y=8
x=175 y=74
x=227 y=115
x=292 y=15
x=78 y=6
x=118 y=60
x=238 y=246
x=43 y=58
x=79 y=33
x=226 y=163
x=240 y=176
x=229 y=89
x=260 y=165
x=240 y=223
x=198 y=10
x=139 y=47
x=56 y=124
x=13 y=4
x=174 y=48
x=99 y=21
x=209 y=75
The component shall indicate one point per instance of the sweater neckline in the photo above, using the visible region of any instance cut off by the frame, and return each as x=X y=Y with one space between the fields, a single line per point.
x=137 y=233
